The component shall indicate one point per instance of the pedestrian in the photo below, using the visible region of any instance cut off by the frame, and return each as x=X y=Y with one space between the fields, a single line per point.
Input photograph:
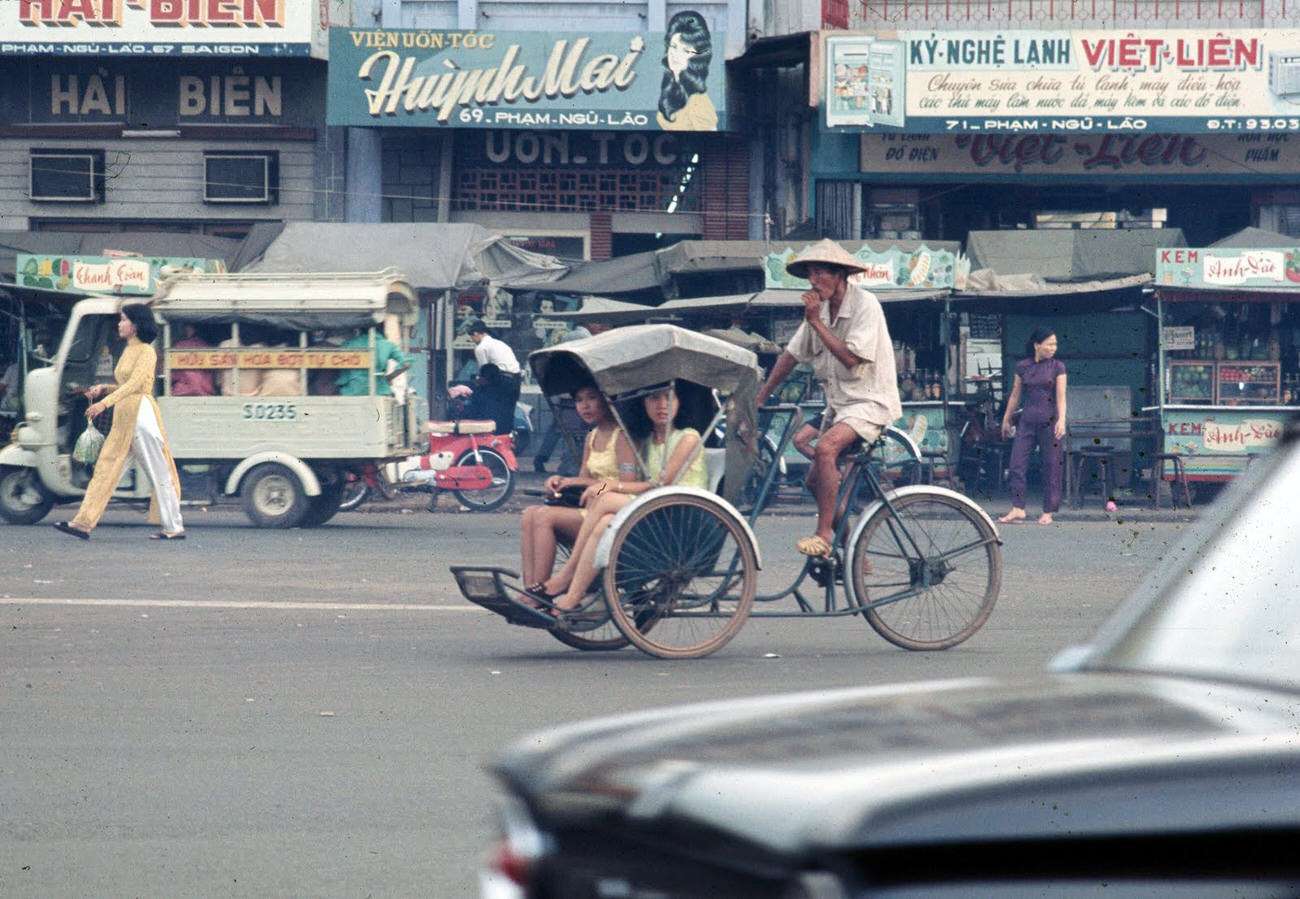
x=1040 y=382
x=487 y=349
x=844 y=336
x=136 y=435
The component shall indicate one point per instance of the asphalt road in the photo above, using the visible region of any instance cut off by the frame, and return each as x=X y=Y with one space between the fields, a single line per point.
x=309 y=713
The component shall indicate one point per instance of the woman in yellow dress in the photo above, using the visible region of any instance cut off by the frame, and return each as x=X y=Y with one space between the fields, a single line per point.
x=608 y=457
x=670 y=454
x=136 y=435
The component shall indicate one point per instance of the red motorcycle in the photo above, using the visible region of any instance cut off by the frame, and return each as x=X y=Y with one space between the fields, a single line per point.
x=464 y=457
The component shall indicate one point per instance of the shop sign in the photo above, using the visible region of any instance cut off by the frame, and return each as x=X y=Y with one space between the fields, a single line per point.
x=1228 y=156
x=923 y=268
x=1173 y=81
x=137 y=94
x=1216 y=267
x=1208 y=442
x=125 y=275
x=607 y=81
x=99 y=28
x=1182 y=337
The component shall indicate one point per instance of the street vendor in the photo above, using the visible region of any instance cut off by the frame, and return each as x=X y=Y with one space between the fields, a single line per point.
x=844 y=336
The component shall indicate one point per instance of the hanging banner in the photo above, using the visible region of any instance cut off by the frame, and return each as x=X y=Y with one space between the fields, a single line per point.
x=1213 y=267
x=126 y=275
x=1173 y=81
x=673 y=81
x=923 y=268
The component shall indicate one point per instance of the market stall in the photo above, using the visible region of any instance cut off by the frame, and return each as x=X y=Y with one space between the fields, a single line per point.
x=1229 y=355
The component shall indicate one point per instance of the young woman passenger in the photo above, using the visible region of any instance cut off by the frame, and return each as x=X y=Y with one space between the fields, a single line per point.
x=668 y=455
x=607 y=458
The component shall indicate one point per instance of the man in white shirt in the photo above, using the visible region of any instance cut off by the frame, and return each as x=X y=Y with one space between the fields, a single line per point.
x=845 y=337
x=490 y=351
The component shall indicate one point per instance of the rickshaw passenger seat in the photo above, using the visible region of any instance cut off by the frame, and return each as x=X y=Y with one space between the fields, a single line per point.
x=715 y=462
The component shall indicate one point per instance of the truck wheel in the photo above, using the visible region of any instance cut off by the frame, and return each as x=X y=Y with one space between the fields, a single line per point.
x=273 y=497
x=22 y=498
x=321 y=509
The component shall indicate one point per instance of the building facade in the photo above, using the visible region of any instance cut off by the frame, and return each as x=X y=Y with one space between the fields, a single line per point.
x=498 y=114
x=187 y=117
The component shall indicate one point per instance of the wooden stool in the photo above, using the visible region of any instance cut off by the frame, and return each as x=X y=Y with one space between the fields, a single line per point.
x=1102 y=460
x=1158 y=461
x=936 y=466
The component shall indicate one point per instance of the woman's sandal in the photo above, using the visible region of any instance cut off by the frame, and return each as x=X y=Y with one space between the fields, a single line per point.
x=163 y=535
x=69 y=529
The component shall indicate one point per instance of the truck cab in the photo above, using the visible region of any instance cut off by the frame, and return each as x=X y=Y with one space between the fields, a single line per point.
x=295 y=402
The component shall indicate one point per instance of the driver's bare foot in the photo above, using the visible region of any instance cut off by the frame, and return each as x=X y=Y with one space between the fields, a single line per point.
x=1013 y=515
x=1045 y=518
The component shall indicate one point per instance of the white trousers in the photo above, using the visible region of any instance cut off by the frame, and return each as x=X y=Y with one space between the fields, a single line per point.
x=147 y=449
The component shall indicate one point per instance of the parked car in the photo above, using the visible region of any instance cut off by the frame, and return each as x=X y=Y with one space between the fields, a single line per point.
x=1162 y=758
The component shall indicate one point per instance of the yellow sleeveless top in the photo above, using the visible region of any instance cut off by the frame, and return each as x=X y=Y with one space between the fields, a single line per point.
x=602 y=463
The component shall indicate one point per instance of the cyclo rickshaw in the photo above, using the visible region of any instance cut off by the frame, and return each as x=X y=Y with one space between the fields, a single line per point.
x=679 y=565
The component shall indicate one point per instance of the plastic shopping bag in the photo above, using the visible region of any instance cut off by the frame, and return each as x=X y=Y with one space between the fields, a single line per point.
x=88 y=445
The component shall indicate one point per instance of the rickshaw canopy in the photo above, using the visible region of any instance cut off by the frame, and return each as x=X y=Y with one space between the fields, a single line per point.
x=630 y=359
x=637 y=356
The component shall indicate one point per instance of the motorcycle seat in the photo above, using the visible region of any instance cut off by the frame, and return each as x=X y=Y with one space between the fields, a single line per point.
x=462 y=426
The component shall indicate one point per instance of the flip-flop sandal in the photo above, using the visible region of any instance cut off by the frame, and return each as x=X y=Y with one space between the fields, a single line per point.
x=69 y=529
x=814 y=546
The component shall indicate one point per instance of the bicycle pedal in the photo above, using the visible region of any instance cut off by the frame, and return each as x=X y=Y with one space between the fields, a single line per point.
x=824 y=570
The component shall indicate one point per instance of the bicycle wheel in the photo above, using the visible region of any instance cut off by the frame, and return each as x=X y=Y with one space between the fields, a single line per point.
x=938 y=597
x=497 y=492
x=681 y=577
x=605 y=638
x=898 y=461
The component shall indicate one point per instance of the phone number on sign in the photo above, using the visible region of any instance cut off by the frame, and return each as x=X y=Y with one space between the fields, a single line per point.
x=1252 y=124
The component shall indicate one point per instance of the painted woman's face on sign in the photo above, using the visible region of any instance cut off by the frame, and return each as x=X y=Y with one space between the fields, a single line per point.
x=679 y=55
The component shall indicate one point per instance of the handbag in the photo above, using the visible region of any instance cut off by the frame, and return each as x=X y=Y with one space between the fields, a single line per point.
x=86 y=450
x=569 y=496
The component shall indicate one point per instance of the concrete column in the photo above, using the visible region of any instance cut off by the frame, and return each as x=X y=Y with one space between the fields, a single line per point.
x=365 y=176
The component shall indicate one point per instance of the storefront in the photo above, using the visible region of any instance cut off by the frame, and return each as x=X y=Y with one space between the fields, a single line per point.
x=1229 y=352
x=149 y=119
x=946 y=132
x=554 y=139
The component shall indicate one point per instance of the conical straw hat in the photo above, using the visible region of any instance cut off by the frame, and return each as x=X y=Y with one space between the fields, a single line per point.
x=828 y=252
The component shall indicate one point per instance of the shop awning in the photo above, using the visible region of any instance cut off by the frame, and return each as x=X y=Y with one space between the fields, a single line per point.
x=433 y=256
x=624 y=274
x=775 y=298
x=984 y=284
x=141 y=243
x=690 y=257
x=1061 y=255
x=615 y=312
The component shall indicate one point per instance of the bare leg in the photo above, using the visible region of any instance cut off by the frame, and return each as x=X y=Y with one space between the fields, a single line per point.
x=605 y=504
x=826 y=475
x=585 y=571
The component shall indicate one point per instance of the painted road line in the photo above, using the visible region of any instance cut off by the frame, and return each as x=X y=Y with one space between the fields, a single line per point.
x=287 y=605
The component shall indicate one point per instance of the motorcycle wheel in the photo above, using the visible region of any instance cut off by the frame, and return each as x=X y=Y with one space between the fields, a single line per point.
x=354 y=494
x=496 y=493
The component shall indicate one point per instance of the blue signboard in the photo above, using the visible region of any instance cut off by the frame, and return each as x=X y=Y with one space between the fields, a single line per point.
x=606 y=81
